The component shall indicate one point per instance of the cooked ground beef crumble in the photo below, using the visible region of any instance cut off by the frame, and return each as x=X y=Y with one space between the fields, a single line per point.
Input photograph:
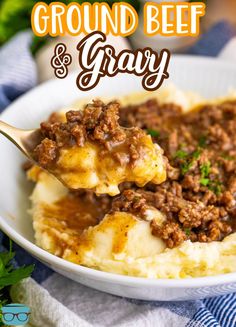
x=198 y=197
x=96 y=123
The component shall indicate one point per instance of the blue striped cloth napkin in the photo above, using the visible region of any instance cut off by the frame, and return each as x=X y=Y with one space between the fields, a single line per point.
x=57 y=301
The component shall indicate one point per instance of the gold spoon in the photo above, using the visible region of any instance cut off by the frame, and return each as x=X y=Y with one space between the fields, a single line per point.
x=25 y=140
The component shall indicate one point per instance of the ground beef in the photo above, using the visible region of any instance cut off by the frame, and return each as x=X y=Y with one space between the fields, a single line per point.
x=130 y=201
x=97 y=123
x=171 y=233
x=47 y=152
x=198 y=198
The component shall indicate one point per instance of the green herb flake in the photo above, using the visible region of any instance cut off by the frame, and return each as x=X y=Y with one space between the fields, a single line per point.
x=187 y=231
x=181 y=154
x=216 y=187
x=189 y=159
x=218 y=190
x=205 y=169
x=227 y=157
x=185 y=167
x=153 y=132
x=202 y=141
x=196 y=154
x=204 y=181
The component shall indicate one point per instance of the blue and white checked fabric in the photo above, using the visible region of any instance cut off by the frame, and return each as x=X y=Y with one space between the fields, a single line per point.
x=56 y=301
x=17 y=68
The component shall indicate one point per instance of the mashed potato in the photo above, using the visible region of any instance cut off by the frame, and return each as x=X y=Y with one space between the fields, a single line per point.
x=121 y=243
x=116 y=244
x=84 y=167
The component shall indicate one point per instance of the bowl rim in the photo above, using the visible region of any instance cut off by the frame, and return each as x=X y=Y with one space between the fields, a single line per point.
x=53 y=260
x=62 y=264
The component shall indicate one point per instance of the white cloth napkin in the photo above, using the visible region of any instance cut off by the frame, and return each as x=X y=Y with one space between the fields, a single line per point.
x=60 y=302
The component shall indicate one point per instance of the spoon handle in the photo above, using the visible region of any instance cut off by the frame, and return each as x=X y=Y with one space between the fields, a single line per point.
x=19 y=137
x=11 y=133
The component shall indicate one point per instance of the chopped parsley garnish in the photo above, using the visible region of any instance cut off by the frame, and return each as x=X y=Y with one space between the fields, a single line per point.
x=196 y=154
x=202 y=141
x=153 y=132
x=204 y=181
x=213 y=185
x=187 y=231
x=216 y=187
x=205 y=169
x=181 y=154
x=185 y=167
x=227 y=157
x=187 y=159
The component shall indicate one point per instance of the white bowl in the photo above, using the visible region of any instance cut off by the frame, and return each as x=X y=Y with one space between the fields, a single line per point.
x=209 y=77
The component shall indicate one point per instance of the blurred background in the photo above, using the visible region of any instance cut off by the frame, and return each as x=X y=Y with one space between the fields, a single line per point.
x=217 y=28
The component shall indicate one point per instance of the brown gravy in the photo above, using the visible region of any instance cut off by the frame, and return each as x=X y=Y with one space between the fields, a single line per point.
x=75 y=212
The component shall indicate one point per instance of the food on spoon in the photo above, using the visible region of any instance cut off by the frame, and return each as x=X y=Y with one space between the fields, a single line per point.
x=91 y=150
